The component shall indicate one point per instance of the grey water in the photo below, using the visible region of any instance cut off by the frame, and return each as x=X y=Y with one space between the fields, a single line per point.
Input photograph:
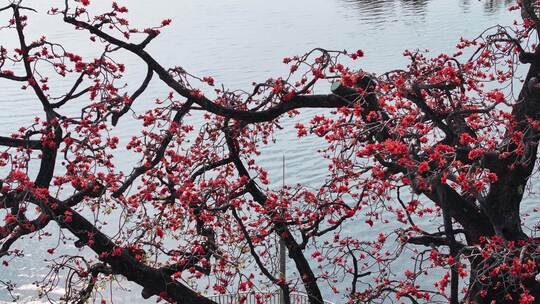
x=238 y=42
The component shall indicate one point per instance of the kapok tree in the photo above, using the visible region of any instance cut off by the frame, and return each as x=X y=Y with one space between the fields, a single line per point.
x=197 y=215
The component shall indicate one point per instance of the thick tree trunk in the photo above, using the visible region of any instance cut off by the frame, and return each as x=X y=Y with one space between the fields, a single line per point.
x=502 y=204
x=497 y=294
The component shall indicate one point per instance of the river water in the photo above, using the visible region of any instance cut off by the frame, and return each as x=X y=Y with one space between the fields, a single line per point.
x=241 y=41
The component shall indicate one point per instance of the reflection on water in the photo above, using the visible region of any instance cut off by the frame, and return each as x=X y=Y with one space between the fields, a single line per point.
x=379 y=11
x=492 y=6
x=383 y=7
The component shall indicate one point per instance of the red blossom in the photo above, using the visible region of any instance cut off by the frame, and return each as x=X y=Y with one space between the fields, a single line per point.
x=166 y=22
